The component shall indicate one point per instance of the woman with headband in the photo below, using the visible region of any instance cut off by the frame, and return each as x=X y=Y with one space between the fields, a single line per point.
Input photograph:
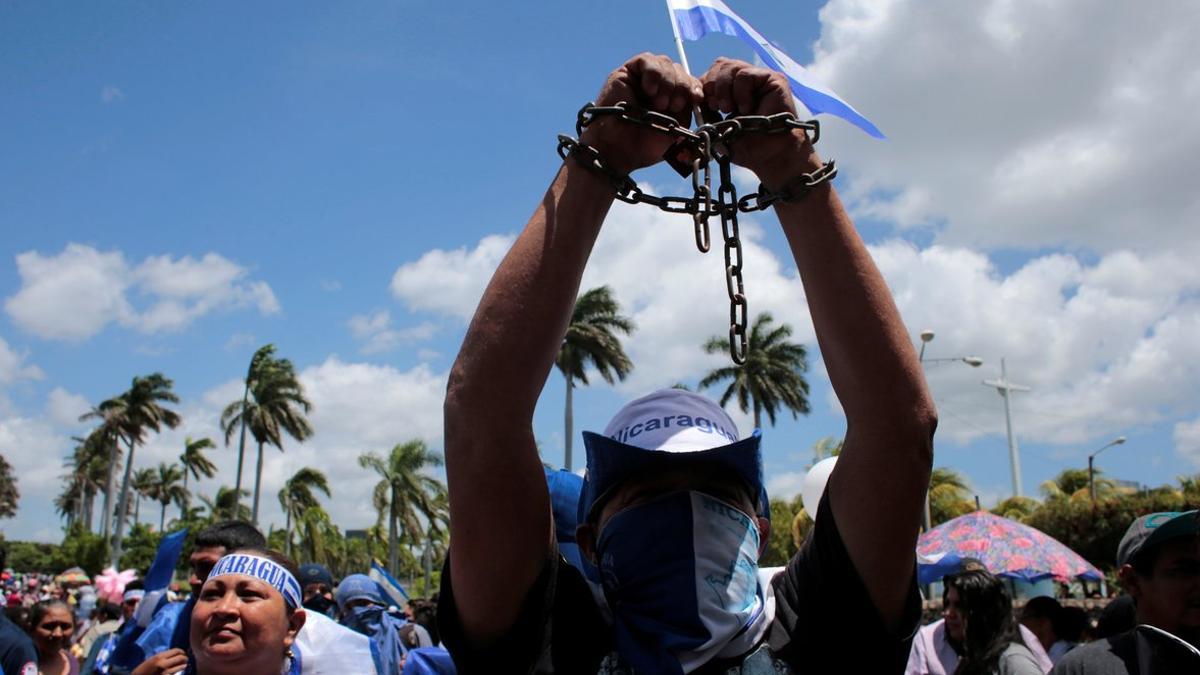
x=247 y=615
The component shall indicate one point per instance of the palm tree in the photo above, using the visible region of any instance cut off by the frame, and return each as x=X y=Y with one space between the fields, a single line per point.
x=132 y=414
x=105 y=438
x=772 y=376
x=9 y=494
x=949 y=495
x=827 y=446
x=143 y=488
x=87 y=464
x=167 y=488
x=261 y=357
x=195 y=463
x=226 y=505
x=296 y=497
x=275 y=405
x=591 y=339
x=1017 y=508
x=1072 y=485
x=407 y=495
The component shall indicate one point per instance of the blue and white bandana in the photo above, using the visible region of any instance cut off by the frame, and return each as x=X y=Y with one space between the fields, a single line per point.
x=268 y=571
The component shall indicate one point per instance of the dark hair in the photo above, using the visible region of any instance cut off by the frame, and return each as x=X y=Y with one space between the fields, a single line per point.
x=231 y=535
x=41 y=609
x=135 y=585
x=1118 y=616
x=1071 y=623
x=425 y=615
x=988 y=618
x=109 y=612
x=1042 y=607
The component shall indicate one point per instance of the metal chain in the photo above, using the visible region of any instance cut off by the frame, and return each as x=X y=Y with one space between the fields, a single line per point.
x=706 y=143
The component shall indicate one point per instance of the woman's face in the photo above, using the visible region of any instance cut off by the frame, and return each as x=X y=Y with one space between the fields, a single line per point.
x=53 y=632
x=956 y=621
x=241 y=624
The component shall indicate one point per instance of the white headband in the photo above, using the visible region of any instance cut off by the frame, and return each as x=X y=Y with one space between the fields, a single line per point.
x=268 y=571
x=133 y=594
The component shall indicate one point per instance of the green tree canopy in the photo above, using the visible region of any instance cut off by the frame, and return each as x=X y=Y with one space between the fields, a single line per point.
x=771 y=379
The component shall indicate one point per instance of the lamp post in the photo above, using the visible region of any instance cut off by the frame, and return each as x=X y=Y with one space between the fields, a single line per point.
x=927 y=336
x=1005 y=389
x=1091 y=466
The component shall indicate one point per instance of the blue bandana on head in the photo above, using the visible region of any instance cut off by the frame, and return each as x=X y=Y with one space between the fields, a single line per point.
x=268 y=571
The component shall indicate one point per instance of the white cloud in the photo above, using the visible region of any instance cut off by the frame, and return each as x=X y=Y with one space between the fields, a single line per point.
x=357 y=408
x=64 y=408
x=1187 y=439
x=111 y=94
x=450 y=282
x=377 y=334
x=1105 y=346
x=75 y=294
x=13 y=366
x=1024 y=125
x=785 y=485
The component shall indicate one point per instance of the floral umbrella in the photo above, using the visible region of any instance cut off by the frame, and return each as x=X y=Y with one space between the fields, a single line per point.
x=1006 y=547
x=75 y=575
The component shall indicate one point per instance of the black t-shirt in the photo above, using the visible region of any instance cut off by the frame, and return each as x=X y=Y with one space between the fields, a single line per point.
x=825 y=621
x=17 y=653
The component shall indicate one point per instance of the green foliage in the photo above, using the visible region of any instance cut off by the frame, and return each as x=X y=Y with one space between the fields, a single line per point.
x=780 y=545
x=771 y=379
x=948 y=495
x=140 y=548
x=1095 y=533
x=591 y=338
x=9 y=494
x=26 y=556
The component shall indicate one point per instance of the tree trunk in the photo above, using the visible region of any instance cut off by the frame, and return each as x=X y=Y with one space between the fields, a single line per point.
x=568 y=425
x=257 y=485
x=122 y=506
x=757 y=416
x=109 y=488
x=393 y=537
x=187 y=497
x=137 y=509
x=287 y=528
x=162 y=518
x=237 y=487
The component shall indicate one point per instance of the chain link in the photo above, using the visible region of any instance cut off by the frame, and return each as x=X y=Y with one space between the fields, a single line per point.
x=705 y=144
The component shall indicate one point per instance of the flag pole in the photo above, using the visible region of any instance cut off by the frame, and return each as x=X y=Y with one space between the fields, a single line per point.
x=682 y=56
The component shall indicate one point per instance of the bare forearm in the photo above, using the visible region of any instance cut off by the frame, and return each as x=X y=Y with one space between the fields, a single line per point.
x=518 y=327
x=492 y=467
x=870 y=359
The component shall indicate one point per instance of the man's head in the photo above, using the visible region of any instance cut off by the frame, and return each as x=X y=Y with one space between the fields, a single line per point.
x=1042 y=616
x=358 y=590
x=1159 y=559
x=669 y=441
x=134 y=592
x=215 y=541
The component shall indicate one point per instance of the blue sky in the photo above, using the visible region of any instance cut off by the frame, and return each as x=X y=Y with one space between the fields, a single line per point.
x=182 y=183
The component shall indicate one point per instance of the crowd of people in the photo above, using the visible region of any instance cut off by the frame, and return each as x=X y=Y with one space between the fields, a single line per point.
x=250 y=610
x=651 y=566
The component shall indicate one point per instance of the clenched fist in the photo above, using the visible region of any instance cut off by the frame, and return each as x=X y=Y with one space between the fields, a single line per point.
x=650 y=82
x=741 y=89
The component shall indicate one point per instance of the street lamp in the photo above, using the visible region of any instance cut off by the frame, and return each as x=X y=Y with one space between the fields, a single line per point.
x=927 y=336
x=1091 y=470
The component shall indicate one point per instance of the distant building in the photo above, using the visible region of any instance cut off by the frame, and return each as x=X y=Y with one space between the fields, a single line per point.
x=356 y=534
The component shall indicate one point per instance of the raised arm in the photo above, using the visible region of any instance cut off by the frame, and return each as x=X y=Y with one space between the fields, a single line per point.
x=500 y=518
x=877 y=490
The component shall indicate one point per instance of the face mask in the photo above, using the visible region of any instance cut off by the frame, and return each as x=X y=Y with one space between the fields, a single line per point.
x=364 y=619
x=318 y=603
x=681 y=576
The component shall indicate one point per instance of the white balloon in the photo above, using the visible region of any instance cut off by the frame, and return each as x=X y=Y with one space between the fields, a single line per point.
x=814 y=485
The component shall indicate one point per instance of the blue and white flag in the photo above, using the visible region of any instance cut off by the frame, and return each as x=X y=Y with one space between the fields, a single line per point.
x=696 y=18
x=388 y=583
